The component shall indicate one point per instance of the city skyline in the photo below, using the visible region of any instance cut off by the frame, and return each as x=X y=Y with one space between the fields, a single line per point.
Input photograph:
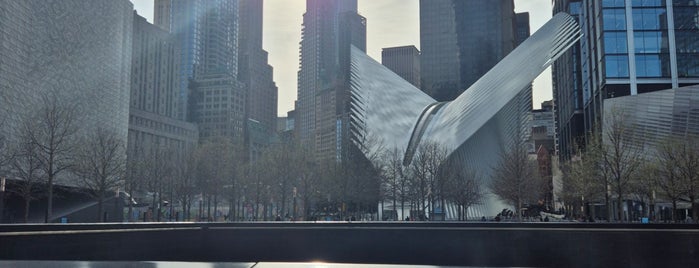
x=282 y=34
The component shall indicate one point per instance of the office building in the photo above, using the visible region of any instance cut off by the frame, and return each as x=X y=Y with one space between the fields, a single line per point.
x=461 y=40
x=404 y=61
x=330 y=28
x=567 y=90
x=153 y=112
x=253 y=70
x=630 y=48
x=184 y=19
x=543 y=131
x=77 y=52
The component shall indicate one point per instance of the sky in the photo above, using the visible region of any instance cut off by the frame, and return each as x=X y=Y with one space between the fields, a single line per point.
x=390 y=23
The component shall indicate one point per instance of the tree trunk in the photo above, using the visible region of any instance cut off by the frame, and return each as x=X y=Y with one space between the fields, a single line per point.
x=608 y=204
x=215 y=207
x=620 y=208
x=49 y=205
x=130 y=216
x=100 y=207
x=26 y=209
x=519 y=210
x=674 y=209
x=692 y=199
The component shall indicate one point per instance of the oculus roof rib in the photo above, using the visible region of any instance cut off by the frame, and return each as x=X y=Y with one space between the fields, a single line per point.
x=474 y=127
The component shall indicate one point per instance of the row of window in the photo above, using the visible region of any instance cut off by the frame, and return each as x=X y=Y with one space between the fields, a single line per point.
x=652 y=66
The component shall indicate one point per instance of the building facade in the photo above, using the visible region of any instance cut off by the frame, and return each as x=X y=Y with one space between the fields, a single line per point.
x=543 y=131
x=567 y=90
x=630 y=48
x=330 y=28
x=473 y=128
x=404 y=61
x=61 y=50
x=645 y=46
x=656 y=116
x=153 y=112
x=254 y=71
x=461 y=40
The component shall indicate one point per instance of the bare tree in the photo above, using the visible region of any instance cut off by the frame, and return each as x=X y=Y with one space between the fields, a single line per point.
x=645 y=185
x=394 y=178
x=688 y=168
x=158 y=170
x=134 y=179
x=101 y=166
x=581 y=180
x=463 y=187
x=621 y=157
x=308 y=183
x=53 y=134
x=674 y=169
x=26 y=165
x=185 y=182
x=515 y=180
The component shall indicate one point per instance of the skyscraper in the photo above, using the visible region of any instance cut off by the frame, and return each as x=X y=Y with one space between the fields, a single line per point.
x=217 y=101
x=329 y=29
x=256 y=74
x=629 y=48
x=153 y=112
x=567 y=90
x=62 y=50
x=404 y=61
x=461 y=41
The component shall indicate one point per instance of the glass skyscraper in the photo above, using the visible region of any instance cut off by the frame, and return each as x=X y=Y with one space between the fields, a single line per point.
x=461 y=40
x=629 y=47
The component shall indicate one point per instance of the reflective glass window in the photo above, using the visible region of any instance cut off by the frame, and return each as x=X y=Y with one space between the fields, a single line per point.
x=617 y=66
x=649 y=19
x=649 y=42
x=687 y=41
x=688 y=65
x=613 y=3
x=686 y=18
x=615 y=42
x=614 y=19
x=648 y=3
x=648 y=66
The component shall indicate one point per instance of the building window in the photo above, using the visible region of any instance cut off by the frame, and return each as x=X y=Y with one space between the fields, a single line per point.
x=649 y=19
x=615 y=43
x=617 y=66
x=614 y=19
x=648 y=66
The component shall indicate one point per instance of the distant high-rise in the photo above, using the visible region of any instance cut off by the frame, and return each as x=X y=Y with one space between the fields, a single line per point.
x=162 y=10
x=61 y=50
x=218 y=99
x=330 y=27
x=153 y=122
x=629 y=48
x=567 y=89
x=404 y=61
x=184 y=19
x=461 y=40
x=256 y=73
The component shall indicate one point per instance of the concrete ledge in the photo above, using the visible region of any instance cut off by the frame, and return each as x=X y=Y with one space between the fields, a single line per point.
x=471 y=244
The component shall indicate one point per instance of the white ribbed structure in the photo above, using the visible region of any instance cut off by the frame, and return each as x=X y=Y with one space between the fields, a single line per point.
x=476 y=125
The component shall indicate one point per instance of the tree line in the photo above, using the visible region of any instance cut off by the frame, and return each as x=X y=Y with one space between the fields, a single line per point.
x=614 y=166
x=217 y=176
